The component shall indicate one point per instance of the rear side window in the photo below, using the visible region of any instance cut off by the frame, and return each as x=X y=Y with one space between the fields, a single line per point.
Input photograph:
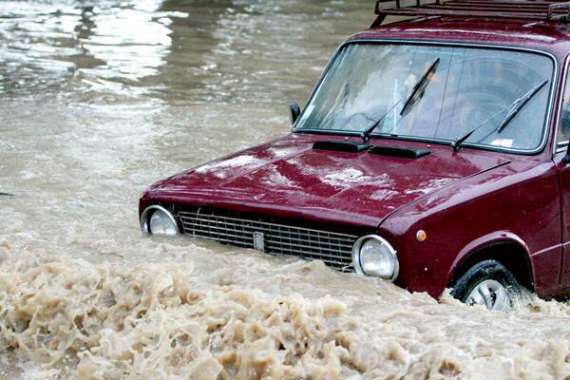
x=564 y=127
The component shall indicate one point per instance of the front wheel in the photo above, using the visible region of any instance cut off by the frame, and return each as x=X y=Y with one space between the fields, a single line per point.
x=490 y=284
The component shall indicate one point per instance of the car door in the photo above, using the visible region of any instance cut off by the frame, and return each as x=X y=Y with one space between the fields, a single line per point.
x=562 y=138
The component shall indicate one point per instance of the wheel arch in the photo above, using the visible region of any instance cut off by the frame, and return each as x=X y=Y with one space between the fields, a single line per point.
x=504 y=247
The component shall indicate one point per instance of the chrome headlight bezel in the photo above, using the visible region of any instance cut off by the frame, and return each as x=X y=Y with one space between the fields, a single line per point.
x=147 y=214
x=391 y=252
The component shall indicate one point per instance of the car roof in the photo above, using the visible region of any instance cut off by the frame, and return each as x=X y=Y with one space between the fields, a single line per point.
x=553 y=37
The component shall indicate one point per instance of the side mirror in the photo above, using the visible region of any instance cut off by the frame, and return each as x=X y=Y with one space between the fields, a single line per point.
x=295 y=111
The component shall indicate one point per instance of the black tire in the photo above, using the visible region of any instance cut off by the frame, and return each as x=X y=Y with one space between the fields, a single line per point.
x=487 y=270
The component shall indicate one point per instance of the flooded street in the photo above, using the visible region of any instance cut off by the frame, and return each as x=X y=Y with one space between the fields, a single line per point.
x=99 y=99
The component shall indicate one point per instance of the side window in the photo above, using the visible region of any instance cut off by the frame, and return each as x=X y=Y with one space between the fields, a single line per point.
x=564 y=129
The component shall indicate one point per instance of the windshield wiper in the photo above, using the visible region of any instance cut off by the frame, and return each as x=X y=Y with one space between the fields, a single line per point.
x=420 y=86
x=514 y=109
x=457 y=144
x=365 y=135
x=518 y=104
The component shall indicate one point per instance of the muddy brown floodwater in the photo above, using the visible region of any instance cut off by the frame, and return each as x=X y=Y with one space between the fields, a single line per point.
x=98 y=99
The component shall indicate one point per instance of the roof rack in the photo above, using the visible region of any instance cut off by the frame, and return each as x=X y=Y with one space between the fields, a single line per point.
x=518 y=9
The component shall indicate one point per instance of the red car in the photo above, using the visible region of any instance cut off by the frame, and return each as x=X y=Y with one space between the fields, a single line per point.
x=431 y=153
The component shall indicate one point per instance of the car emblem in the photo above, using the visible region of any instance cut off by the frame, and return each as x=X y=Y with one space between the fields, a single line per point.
x=259 y=241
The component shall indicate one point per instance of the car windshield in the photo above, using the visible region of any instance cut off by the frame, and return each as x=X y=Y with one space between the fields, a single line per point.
x=437 y=93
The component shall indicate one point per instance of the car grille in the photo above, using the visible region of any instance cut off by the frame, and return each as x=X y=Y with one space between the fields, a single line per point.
x=335 y=249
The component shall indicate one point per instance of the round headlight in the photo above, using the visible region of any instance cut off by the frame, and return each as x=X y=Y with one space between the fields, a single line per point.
x=156 y=220
x=374 y=256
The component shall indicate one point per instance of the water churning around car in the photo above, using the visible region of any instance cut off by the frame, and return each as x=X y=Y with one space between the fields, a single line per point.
x=100 y=99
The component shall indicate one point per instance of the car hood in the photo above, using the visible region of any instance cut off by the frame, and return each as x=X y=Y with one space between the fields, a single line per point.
x=290 y=178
